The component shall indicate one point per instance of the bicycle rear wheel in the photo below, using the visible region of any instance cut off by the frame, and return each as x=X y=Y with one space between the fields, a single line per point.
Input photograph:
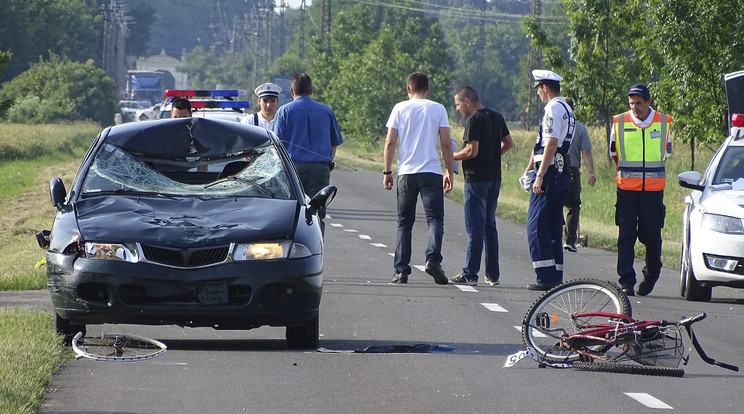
x=551 y=314
x=117 y=347
x=628 y=369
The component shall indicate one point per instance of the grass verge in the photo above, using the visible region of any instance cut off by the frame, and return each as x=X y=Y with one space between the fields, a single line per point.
x=30 y=353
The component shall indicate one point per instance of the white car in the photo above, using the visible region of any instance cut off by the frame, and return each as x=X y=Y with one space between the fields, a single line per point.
x=129 y=108
x=149 y=113
x=713 y=221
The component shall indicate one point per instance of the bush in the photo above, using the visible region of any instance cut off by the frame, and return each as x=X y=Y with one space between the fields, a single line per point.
x=61 y=90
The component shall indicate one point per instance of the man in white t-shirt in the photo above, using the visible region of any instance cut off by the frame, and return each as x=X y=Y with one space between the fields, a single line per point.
x=268 y=102
x=417 y=124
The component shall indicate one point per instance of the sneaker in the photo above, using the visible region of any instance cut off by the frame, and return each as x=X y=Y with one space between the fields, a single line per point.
x=399 y=278
x=492 y=282
x=435 y=270
x=461 y=279
x=569 y=248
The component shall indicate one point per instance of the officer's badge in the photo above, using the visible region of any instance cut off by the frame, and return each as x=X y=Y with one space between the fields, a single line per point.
x=559 y=162
x=548 y=124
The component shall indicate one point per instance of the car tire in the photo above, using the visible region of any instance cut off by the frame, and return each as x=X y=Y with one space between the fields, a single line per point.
x=690 y=289
x=67 y=329
x=305 y=336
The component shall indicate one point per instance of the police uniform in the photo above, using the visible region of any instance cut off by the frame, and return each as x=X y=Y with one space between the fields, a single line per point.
x=640 y=148
x=545 y=213
x=264 y=90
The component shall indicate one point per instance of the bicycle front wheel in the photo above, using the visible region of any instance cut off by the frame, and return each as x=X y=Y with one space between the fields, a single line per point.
x=628 y=369
x=551 y=315
x=117 y=347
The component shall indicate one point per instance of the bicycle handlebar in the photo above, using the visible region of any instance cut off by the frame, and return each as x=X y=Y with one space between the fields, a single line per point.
x=690 y=321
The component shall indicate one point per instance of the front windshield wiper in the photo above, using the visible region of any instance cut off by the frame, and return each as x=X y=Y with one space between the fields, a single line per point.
x=241 y=180
x=120 y=191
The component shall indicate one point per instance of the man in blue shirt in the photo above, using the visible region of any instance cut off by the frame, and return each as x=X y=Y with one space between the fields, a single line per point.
x=310 y=133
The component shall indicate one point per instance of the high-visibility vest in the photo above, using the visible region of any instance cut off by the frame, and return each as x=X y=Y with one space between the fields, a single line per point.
x=641 y=152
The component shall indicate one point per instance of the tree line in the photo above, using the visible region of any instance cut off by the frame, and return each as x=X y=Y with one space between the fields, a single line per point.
x=679 y=47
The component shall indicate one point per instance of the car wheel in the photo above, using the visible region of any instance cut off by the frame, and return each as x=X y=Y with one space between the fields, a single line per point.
x=67 y=329
x=305 y=336
x=143 y=117
x=690 y=289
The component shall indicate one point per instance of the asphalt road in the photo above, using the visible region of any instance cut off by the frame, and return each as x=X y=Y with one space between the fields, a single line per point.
x=252 y=371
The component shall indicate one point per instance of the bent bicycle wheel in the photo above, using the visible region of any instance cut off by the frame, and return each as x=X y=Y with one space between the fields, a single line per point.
x=551 y=315
x=117 y=347
x=628 y=369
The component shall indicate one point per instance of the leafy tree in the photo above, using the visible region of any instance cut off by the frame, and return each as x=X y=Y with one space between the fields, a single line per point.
x=365 y=74
x=693 y=43
x=142 y=19
x=61 y=90
x=34 y=28
x=208 y=69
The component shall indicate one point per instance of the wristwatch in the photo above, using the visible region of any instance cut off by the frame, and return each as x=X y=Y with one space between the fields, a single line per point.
x=387 y=172
x=538 y=175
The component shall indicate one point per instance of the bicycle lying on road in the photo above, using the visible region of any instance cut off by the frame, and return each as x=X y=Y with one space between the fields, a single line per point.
x=586 y=324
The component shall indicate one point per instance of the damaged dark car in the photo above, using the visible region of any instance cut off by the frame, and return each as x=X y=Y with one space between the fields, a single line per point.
x=191 y=222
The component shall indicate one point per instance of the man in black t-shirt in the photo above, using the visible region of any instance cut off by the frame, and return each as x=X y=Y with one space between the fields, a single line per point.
x=486 y=138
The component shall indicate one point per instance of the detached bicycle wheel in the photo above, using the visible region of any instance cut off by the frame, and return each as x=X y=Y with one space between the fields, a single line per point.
x=117 y=347
x=551 y=315
x=628 y=369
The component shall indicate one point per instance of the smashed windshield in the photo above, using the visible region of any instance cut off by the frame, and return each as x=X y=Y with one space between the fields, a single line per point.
x=257 y=172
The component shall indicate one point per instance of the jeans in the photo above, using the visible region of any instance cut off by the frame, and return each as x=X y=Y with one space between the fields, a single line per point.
x=480 y=199
x=410 y=186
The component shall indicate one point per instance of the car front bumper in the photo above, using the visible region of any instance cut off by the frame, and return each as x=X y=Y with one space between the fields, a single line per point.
x=237 y=295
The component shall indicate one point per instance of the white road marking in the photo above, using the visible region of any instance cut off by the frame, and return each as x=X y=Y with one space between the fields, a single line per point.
x=649 y=401
x=378 y=244
x=421 y=268
x=391 y=254
x=351 y=231
x=466 y=288
x=536 y=334
x=493 y=307
x=337 y=225
x=365 y=237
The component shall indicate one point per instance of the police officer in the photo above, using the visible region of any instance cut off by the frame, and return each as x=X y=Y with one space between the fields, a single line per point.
x=268 y=102
x=640 y=143
x=550 y=160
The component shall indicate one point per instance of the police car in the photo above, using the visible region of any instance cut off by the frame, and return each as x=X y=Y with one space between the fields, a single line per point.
x=213 y=104
x=713 y=219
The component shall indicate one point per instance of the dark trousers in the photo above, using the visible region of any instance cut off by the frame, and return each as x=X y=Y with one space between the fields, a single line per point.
x=573 y=204
x=429 y=187
x=639 y=215
x=545 y=227
x=314 y=177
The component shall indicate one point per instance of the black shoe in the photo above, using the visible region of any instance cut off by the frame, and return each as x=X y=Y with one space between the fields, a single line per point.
x=435 y=270
x=629 y=291
x=400 y=278
x=644 y=288
x=541 y=286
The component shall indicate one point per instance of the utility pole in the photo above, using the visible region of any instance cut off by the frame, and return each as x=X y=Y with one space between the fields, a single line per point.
x=115 y=33
x=533 y=60
x=302 y=29
x=325 y=26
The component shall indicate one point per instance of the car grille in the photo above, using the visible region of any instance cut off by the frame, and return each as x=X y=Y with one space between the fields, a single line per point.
x=191 y=257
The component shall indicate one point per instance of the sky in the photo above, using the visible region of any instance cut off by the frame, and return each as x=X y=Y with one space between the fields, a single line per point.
x=295 y=4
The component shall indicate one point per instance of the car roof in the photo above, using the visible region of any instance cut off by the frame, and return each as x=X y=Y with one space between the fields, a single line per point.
x=185 y=137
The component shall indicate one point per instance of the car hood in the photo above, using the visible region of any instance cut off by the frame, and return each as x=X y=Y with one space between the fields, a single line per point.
x=185 y=221
x=725 y=202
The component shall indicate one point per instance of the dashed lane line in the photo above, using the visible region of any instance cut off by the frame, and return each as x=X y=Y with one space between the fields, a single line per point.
x=494 y=307
x=649 y=401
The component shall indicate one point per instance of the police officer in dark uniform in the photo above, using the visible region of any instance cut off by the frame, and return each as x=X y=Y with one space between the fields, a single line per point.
x=550 y=161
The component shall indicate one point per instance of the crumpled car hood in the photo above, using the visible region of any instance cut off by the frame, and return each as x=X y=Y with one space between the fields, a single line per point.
x=185 y=221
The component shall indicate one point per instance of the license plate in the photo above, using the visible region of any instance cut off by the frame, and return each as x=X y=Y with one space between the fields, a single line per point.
x=214 y=293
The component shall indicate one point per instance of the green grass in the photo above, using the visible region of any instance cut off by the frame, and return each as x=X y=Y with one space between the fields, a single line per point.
x=598 y=202
x=30 y=353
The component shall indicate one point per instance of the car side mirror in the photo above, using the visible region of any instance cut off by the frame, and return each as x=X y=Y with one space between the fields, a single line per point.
x=57 y=192
x=322 y=199
x=691 y=180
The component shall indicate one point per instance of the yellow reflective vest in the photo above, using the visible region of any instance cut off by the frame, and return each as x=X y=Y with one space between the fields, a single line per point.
x=641 y=152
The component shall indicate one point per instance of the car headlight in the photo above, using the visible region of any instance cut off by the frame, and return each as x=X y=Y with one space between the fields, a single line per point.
x=722 y=224
x=126 y=252
x=269 y=251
